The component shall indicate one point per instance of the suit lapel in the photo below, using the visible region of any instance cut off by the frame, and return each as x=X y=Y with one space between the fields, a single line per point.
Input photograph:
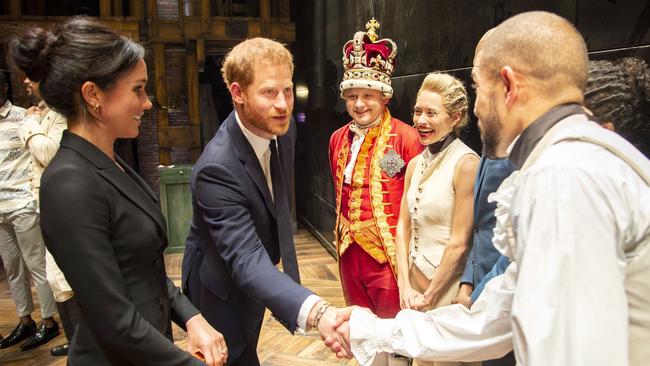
x=133 y=192
x=137 y=179
x=247 y=156
x=127 y=182
x=477 y=188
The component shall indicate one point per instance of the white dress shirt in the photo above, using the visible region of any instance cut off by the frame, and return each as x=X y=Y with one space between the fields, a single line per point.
x=357 y=141
x=576 y=222
x=263 y=152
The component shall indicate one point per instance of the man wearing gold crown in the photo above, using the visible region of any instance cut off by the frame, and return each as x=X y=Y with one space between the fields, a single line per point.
x=368 y=157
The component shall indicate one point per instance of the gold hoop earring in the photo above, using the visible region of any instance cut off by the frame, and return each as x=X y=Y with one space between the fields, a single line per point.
x=96 y=108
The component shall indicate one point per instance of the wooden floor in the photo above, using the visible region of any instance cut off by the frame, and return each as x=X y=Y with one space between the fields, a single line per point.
x=277 y=346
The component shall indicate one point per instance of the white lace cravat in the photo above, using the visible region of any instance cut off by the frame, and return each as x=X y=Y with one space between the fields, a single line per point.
x=357 y=141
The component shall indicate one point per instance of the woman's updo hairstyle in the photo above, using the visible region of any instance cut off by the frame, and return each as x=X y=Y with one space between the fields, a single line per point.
x=453 y=94
x=76 y=51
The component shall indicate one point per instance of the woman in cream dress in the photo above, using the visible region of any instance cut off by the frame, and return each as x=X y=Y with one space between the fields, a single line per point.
x=434 y=230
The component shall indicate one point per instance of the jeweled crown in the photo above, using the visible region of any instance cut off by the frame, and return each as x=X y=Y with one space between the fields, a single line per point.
x=368 y=62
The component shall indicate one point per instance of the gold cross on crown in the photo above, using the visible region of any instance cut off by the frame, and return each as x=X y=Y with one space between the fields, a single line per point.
x=371 y=26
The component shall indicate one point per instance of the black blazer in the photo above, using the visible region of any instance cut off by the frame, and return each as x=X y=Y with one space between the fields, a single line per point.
x=231 y=251
x=105 y=230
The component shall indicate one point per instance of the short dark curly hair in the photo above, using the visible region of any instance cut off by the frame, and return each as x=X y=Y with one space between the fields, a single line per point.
x=619 y=92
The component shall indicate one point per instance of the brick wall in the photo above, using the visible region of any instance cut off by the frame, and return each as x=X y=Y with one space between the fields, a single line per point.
x=148 y=158
x=147 y=141
x=176 y=69
x=148 y=148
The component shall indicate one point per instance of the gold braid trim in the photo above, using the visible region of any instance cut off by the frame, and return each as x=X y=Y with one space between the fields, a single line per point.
x=351 y=229
x=376 y=190
x=363 y=233
x=340 y=169
x=375 y=237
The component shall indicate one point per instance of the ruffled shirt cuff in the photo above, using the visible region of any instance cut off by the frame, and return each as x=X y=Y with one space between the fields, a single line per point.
x=370 y=335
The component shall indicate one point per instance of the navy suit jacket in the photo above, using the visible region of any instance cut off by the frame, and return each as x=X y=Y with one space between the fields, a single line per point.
x=232 y=248
x=483 y=255
x=499 y=268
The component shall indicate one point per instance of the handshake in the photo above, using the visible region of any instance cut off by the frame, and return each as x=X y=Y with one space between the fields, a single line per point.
x=334 y=327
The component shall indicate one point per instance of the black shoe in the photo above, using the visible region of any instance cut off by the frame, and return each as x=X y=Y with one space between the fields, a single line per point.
x=61 y=350
x=42 y=336
x=19 y=333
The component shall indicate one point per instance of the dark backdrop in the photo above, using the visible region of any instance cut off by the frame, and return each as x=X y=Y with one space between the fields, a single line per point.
x=430 y=35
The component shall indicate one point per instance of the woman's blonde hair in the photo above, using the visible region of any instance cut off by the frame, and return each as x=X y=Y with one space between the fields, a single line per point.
x=453 y=94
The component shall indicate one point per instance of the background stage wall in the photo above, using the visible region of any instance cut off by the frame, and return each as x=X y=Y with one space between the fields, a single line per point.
x=430 y=35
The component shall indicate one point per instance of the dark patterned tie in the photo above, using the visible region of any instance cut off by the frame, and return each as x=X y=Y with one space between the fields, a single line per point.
x=282 y=215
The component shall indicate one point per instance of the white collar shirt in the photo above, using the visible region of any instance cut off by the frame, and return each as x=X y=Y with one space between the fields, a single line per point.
x=262 y=151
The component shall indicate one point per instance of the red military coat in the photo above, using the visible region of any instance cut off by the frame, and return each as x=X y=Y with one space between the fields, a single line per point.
x=368 y=209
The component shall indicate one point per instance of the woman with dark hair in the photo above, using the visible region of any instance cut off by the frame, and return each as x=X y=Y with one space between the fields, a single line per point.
x=100 y=220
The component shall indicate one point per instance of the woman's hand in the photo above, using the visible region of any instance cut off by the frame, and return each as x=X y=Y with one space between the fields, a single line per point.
x=33 y=110
x=423 y=302
x=409 y=298
x=204 y=340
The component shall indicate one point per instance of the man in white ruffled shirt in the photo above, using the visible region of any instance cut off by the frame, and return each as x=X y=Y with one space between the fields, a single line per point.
x=574 y=219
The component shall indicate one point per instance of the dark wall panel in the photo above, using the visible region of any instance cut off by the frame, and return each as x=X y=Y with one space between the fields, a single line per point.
x=613 y=24
x=436 y=35
x=431 y=35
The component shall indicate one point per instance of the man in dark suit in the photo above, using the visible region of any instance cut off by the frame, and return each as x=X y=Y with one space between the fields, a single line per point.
x=241 y=224
x=484 y=260
x=483 y=256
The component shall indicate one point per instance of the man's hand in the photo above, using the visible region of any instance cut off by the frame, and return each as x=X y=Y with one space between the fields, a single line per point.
x=343 y=330
x=464 y=295
x=327 y=328
x=325 y=316
x=204 y=340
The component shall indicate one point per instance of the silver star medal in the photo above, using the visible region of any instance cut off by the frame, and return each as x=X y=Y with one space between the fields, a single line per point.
x=391 y=163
